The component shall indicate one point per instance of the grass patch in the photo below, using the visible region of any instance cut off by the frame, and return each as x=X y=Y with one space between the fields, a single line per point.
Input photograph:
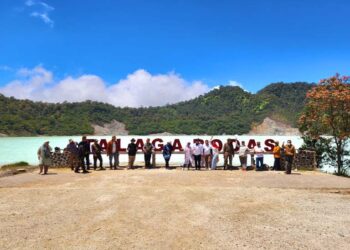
x=15 y=165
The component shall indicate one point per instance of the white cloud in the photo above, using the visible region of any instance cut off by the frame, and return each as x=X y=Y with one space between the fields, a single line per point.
x=236 y=84
x=40 y=10
x=231 y=83
x=138 y=89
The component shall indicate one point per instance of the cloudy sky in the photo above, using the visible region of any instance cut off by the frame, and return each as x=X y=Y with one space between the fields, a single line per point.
x=146 y=53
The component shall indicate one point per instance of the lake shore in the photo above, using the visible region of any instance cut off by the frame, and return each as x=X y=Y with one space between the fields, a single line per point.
x=157 y=209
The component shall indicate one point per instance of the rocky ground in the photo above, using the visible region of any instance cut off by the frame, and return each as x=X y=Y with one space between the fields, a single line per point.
x=174 y=209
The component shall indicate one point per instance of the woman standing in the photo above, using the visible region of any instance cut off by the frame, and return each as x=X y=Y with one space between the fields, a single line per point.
x=215 y=158
x=167 y=150
x=44 y=156
x=188 y=156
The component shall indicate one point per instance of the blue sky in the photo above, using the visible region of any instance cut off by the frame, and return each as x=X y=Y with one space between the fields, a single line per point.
x=249 y=42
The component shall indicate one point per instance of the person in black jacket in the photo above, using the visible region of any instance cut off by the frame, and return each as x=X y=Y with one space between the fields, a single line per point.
x=96 y=152
x=84 y=153
x=132 y=149
x=167 y=150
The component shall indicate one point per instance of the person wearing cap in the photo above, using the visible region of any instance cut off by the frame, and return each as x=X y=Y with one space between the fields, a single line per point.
x=112 y=153
x=44 y=156
x=132 y=149
x=167 y=150
x=277 y=156
x=97 y=154
x=147 y=151
x=289 y=151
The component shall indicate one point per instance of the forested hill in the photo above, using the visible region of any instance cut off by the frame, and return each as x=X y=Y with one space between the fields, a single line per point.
x=226 y=110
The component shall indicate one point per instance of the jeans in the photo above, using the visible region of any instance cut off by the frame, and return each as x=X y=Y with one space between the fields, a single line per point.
x=99 y=158
x=259 y=163
x=197 y=161
x=277 y=164
x=114 y=156
x=83 y=160
x=289 y=163
x=214 y=161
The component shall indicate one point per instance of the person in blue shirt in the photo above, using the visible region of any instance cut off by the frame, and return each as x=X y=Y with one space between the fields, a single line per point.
x=167 y=150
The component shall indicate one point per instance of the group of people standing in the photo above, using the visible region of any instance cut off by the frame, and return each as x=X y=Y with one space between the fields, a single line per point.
x=198 y=155
x=207 y=155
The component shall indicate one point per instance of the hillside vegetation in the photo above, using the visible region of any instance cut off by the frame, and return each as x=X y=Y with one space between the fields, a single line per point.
x=226 y=110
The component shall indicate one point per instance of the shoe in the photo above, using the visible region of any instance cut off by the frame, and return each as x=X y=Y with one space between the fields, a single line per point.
x=102 y=169
x=86 y=172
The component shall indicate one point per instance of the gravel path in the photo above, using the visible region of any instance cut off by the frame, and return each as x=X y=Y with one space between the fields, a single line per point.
x=174 y=209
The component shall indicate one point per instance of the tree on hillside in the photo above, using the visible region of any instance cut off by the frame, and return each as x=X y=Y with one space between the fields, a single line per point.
x=327 y=112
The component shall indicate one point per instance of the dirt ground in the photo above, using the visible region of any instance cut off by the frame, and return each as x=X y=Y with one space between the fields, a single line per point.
x=174 y=209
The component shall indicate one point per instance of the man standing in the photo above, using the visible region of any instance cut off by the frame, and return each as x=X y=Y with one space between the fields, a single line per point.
x=74 y=153
x=197 y=153
x=96 y=152
x=259 y=152
x=44 y=156
x=277 y=156
x=242 y=153
x=289 y=151
x=84 y=155
x=228 y=153
x=132 y=149
x=207 y=154
x=147 y=151
x=112 y=153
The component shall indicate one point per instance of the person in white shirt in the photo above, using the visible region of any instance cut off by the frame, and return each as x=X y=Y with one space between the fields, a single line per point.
x=207 y=153
x=242 y=153
x=188 y=156
x=197 y=153
x=259 y=153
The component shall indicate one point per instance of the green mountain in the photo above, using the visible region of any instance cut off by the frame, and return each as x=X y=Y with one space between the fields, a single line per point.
x=227 y=109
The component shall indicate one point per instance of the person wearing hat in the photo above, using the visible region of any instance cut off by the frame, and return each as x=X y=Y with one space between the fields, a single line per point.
x=277 y=156
x=44 y=156
x=132 y=149
x=96 y=152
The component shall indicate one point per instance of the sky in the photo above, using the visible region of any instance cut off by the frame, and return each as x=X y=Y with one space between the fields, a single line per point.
x=149 y=53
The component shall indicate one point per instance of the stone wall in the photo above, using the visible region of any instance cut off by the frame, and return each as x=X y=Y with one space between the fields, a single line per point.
x=304 y=159
x=65 y=159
